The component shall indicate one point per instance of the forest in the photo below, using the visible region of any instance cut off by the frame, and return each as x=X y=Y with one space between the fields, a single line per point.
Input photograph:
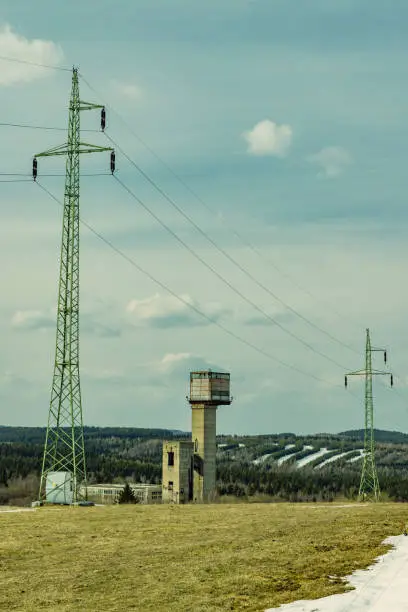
x=267 y=467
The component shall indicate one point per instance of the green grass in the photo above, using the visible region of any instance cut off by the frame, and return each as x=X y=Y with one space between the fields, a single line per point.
x=186 y=558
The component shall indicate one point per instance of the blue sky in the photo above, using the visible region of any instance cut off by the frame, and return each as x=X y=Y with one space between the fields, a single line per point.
x=289 y=121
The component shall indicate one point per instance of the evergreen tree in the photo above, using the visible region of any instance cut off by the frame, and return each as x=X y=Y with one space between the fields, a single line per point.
x=127 y=496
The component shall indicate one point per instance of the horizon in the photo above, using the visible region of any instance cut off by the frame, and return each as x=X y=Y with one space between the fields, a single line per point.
x=220 y=434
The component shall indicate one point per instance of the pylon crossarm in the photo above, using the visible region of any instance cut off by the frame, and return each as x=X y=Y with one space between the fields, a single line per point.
x=89 y=105
x=58 y=150
x=84 y=147
x=93 y=148
x=357 y=373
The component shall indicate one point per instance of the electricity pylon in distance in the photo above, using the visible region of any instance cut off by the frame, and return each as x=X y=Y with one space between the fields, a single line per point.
x=369 y=485
x=64 y=443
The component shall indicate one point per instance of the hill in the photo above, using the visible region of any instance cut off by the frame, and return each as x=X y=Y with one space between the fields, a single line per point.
x=36 y=435
x=395 y=437
x=280 y=466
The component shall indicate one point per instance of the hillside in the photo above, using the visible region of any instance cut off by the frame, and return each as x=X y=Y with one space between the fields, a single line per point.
x=279 y=466
x=182 y=558
x=36 y=435
x=316 y=451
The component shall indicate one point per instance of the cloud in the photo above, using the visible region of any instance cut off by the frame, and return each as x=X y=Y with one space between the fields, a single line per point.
x=11 y=379
x=167 y=311
x=173 y=358
x=41 y=320
x=185 y=362
x=32 y=320
x=115 y=378
x=332 y=160
x=173 y=370
x=128 y=90
x=163 y=375
x=35 y=51
x=268 y=138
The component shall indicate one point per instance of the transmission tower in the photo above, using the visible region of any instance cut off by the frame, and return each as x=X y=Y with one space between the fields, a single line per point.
x=64 y=451
x=369 y=485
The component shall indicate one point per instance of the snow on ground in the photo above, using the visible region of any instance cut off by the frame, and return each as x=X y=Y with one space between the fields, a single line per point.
x=261 y=459
x=286 y=457
x=332 y=459
x=309 y=458
x=381 y=588
x=354 y=459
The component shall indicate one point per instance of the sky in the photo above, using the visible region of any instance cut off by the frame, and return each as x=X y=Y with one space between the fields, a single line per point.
x=279 y=130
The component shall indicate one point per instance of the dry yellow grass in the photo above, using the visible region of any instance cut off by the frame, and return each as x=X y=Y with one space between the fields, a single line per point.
x=185 y=558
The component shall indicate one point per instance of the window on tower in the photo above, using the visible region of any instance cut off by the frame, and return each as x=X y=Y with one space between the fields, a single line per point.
x=170 y=487
x=170 y=458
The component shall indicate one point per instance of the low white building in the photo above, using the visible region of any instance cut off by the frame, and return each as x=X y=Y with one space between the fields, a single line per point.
x=107 y=493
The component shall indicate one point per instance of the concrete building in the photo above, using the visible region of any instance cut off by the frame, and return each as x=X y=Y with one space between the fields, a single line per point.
x=177 y=475
x=208 y=390
x=107 y=493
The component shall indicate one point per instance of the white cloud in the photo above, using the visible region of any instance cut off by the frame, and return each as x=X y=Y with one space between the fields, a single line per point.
x=128 y=90
x=167 y=311
x=35 y=51
x=35 y=320
x=171 y=358
x=180 y=364
x=332 y=160
x=32 y=319
x=269 y=138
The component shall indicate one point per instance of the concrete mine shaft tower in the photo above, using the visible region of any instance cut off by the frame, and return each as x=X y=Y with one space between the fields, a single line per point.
x=208 y=390
x=189 y=469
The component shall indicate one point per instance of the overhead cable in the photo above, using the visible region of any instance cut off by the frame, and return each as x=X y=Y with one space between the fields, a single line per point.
x=223 y=279
x=38 y=127
x=239 y=236
x=21 y=61
x=222 y=250
x=192 y=307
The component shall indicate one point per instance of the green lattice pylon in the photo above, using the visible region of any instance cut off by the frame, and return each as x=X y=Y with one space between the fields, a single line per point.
x=369 y=485
x=64 y=443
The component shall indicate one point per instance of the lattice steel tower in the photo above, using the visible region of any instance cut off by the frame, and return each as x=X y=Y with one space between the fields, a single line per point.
x=64 y=444
x=369 y=485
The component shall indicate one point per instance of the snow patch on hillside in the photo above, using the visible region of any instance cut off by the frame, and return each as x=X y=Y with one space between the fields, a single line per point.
x=334 y=458
x=261 y=459
x=287 y=457
x=380 y=588
x=354 y=459
x=302 y=462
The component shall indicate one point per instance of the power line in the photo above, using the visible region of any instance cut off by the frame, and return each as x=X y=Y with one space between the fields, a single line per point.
x=20 y=61
x=38 y=127
x=15 y=180
x=185 y=302
x=223 y=251
x=239 y=236
x=54 y=174
x=222 y=278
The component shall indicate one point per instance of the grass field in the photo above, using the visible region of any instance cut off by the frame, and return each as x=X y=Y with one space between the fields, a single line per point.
x=186 y=558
